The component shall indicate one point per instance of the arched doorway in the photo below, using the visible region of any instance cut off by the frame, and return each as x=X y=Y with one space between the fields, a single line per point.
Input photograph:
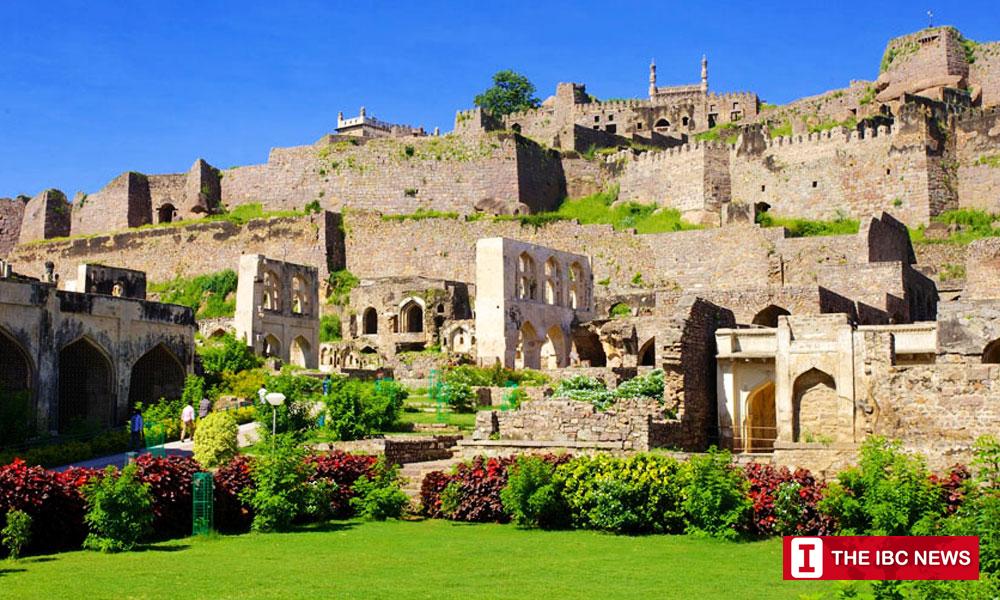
x=158 y=374
x=647 y=353
x=662 y=124
x=413 y=317
x=16 y=375
x=768 y=317
x=15 y=366
x=815 y=407
x=588 y=348
x=165 y=214
x=369 y=321
x=991 y=353
x=526 y=353
x=553 y=351
x=86 y=392
x=272 y=345
x=298 y=351
x=761 y=423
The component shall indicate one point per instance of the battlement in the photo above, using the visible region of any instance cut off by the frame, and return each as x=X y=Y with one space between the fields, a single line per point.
x=839 y=135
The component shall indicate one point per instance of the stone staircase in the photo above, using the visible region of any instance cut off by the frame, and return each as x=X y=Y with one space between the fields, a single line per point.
x=413 y=474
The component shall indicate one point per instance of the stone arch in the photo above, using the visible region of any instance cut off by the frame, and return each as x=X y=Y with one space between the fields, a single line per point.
x=217 y=332
x=298 y=351
x=588 y=348
x=272 y=291
x=157 y=374
x=761 y=423
x=166 y=213
x=412 y=316
x=86 y=388
x=768 y=316
x=577 y=289
x=620 y=309
x=815 y=405
x=647 y=353
x=460 y=339
x=553 y=350
x=526 y=277
x=272 y=345
x=300 y=295
x=16 y=368
x=685 y=121
x=369 y=321
x=553 y=281
x=516 y=127
x=991 y=353
x=662 y=124
x=526 y=354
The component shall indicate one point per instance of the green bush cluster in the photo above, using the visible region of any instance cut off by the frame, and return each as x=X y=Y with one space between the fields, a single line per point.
x=532 y=498
x=356 y=409
x=16 y=533
x=119 y=511
x=972 y=225
x=210 y=295
x=215 y=439
x=495 y=376
x=594 y=390
x=458 y=395
x=797 y=228
x=341 y=284
x=329 y=328
x=226 y=354
x=64 y=453
x=379 y=497
x=280 y=476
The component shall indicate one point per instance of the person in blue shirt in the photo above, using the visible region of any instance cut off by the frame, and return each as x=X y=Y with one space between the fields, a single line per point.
x=135 y=429
x=326 y=386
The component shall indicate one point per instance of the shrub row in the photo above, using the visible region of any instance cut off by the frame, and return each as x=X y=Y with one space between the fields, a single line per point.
x=57 y=503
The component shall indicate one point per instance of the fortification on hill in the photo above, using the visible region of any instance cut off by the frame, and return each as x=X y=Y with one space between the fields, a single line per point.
x=793 y=348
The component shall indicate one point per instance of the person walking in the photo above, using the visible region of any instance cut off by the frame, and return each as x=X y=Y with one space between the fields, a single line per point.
x=204 y=407
x=262 y=394
x=187 y=422
x=327 y=382
x=136 y=430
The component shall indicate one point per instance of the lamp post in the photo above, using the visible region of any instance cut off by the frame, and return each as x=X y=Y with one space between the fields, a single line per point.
x=275 y=399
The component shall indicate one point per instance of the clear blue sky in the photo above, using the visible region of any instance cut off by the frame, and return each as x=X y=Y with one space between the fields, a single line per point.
x=91 y=89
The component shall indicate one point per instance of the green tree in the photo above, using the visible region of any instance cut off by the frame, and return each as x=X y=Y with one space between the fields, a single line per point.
x=17 y=533
x=510 y=93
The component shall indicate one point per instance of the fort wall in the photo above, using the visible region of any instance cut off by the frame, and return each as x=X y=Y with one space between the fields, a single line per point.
x=977 y=145
x=123 y=203
x=11 y=217
x=46 y=216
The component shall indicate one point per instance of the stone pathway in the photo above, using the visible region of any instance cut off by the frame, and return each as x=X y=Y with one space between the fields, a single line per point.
x=413 y=474
x=247 y=436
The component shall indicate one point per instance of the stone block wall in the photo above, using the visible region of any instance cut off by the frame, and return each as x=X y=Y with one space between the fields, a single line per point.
x=11 y=216
x=123 y=203
x=401 y=451
x=393 y=175
x=985 y=73
x=983 y=269
x=46 y=216
x=201 y=247
x=693 y=179
x=925 y=59
x=977 y=145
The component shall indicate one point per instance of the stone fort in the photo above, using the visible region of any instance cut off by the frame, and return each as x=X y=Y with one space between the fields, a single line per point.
x=791 y=347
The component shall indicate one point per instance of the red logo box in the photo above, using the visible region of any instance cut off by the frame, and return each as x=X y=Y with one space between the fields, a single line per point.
x=881 y=557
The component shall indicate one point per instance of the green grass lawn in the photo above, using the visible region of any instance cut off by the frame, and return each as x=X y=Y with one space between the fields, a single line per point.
x=425 y=559
x=463 y=421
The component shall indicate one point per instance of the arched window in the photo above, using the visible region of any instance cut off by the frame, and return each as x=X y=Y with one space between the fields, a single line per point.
x=685 y=121
x=814 y=406
x=526 y=278
x=553 y=281
x=577 y=296
x=991 y=353
x=516 y=128
x=412 y=314
x=768 y=317
x=647 y=353
x=272 y=291
x=272 y=346
x=662 y=124
x=300 y=296
x=369 y=321
x=166 y=213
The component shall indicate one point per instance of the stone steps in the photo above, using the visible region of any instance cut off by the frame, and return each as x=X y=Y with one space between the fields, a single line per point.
x=413 y=474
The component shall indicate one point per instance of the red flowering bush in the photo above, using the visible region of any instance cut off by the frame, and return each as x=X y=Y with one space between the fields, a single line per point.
x=472 y=490
x=953 y=486
x=341 y=469
x=231 y=513
x=784 y=502
x=52 y=499
x=169 y=480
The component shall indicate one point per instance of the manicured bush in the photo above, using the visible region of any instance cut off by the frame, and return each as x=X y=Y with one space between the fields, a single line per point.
x=638 y=494
x=784 y=503
x=342 y=470
x=458 y=395
x=531 y=497
x=232 y=513
x=53 y=501
x=715 y=496
x=280 y=474
x=356 y=409
x=215 y=439
x=377 y=496
x=169 y=480
x=888 y=493
x=118 y=510
x=17 y=533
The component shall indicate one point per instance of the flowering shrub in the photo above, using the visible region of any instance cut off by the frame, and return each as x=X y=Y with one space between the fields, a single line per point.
x=431 y=487
x=52 y=500
x=343 y=470
x=231 y=513
x=169 y=480
x=638 y=494
x=784 y=502
x=953 y=486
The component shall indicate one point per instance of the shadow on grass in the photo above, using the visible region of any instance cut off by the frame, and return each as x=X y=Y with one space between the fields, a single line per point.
x=4 y=571
x=327 y=527
x=163 y=548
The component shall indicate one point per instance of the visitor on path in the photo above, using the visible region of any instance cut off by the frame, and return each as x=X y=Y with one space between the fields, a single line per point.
x=326 y=386
x=262 y=394
x=187 y=422
x=204 y=408
x=135 y=429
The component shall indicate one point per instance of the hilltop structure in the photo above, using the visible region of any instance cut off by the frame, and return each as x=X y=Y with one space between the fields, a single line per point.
x=793 y=348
